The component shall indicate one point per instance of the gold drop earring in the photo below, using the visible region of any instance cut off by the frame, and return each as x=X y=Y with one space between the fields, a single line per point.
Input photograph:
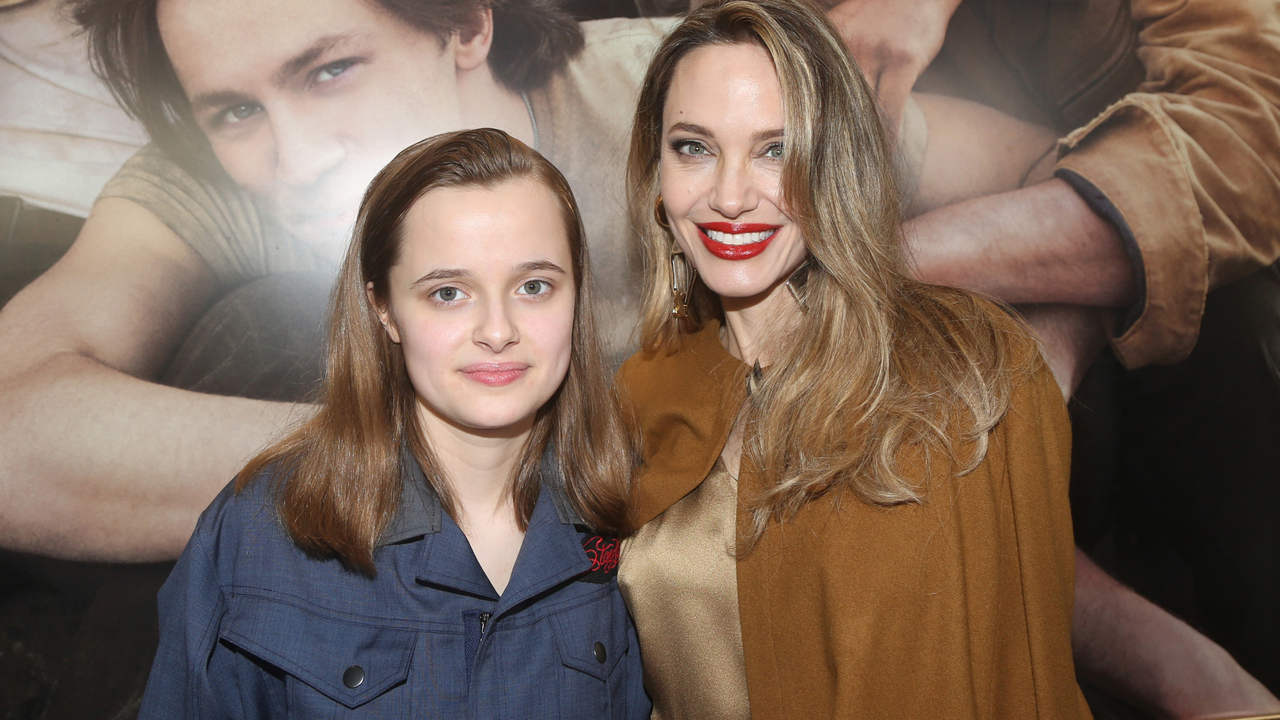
x=796 y=282
x=679 y=295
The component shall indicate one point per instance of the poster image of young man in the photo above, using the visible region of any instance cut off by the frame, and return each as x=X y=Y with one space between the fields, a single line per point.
x=267 y=120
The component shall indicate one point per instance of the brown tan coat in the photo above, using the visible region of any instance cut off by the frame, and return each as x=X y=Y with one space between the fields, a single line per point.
x=957 y=608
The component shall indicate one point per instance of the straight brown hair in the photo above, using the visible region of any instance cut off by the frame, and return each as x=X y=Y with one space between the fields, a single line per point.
x=879 y=365
x=338 y=474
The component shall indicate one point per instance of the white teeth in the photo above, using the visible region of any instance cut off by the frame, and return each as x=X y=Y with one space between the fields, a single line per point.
x=739 y=238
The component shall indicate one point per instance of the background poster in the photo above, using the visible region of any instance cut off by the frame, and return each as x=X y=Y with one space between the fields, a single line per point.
x=140 y=370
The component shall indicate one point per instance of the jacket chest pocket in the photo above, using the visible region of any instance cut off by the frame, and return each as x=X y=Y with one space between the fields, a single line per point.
x=334 y=667
x=593 y=646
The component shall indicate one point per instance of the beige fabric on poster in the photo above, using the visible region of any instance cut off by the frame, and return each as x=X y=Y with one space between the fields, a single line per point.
x=62 y=136
x=679 y=579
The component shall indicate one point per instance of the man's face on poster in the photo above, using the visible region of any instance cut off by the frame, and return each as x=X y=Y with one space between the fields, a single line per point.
x=304 y=101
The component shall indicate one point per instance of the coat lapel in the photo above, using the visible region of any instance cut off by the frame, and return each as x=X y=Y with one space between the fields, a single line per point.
x=685 y=403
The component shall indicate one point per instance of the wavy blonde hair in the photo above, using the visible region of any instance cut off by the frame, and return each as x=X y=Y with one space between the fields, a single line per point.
x=879 y=366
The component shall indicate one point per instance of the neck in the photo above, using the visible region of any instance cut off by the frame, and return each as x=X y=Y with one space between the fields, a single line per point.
x=477 y=464
x=486 y=103
x=753 y=324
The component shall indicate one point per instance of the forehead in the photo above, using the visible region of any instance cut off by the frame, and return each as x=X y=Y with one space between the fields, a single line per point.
x=725 y=86
x=228 y=41
x=514 y=222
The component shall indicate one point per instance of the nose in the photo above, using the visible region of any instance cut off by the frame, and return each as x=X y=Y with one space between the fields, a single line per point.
x=735 y=188
x=305 y=148
x=497 y=328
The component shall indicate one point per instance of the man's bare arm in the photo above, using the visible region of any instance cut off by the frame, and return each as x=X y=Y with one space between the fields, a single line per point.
x=1149 y=657
x=984 y=231
x=96 y=461
x=1040 y=244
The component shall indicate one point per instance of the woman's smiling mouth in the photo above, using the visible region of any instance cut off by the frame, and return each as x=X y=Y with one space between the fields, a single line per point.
x=736 y=241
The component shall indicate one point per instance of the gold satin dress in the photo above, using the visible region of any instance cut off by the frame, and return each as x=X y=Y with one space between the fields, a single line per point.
x=678 y=575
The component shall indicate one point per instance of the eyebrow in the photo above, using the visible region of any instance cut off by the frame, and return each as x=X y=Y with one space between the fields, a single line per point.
x=690 y=128
x=290 y=68
x=700 y=130
x=452 y=273
x=540 y=266
x=299 y=62
x=217 y=99
x=440 y=274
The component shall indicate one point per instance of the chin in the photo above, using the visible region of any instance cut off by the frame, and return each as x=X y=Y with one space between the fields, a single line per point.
x=493 y=422
x=739 y=288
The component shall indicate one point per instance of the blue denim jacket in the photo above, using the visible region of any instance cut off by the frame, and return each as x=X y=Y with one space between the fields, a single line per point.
x=251 y=627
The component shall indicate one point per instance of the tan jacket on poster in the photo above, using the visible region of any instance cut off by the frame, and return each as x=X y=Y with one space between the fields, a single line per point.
x=957 y=608
x=1172 y=111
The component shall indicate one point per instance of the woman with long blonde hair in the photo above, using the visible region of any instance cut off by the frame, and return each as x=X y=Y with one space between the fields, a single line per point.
x=854 y=485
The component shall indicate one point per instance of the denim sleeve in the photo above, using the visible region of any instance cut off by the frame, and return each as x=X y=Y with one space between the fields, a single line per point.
x=191 y=609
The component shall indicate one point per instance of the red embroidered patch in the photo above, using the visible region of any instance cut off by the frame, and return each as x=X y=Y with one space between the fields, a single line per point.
x=603 y=554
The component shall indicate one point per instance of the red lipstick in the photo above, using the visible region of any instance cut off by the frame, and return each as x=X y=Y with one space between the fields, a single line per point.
x=725 y=251
x=495 y=374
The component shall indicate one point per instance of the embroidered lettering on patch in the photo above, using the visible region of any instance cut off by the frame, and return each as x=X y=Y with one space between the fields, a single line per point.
x=603 y=554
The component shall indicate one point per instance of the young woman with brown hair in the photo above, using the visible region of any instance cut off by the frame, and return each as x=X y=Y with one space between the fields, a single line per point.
x=854 y=485
x=440 y=539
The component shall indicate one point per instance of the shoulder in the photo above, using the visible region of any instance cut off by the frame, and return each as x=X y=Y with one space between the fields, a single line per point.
x=628 y=40
x=235 y=521
x=213 y=216
x=1034 y=394
x=642 y=386
x=641 y=373
x=987 y=365
x=1036 y=403
x=1021 y=362
x=150 y=171
x=606 y=75
x=698 y=371
x=1033 y=438
x=981 y=327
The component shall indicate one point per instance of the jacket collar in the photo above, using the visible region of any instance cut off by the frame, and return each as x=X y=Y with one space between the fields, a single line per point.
x=550 y=554
x=421 y=512
x=685 y=404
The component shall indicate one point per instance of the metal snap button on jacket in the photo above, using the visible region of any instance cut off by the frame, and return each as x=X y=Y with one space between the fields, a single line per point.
x=354 y=676
x=600 y=653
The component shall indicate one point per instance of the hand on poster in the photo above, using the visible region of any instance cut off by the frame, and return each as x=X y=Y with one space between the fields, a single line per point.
x=893 y=42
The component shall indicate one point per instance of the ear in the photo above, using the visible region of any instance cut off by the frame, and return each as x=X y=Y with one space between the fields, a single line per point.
x=474 y=42
x=384 y=314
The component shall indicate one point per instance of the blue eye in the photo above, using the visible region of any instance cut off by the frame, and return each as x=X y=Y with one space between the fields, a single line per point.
x=243 y=111
x=333 y=70
x=447 y=294
x=774 y=151
x=535 y=287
